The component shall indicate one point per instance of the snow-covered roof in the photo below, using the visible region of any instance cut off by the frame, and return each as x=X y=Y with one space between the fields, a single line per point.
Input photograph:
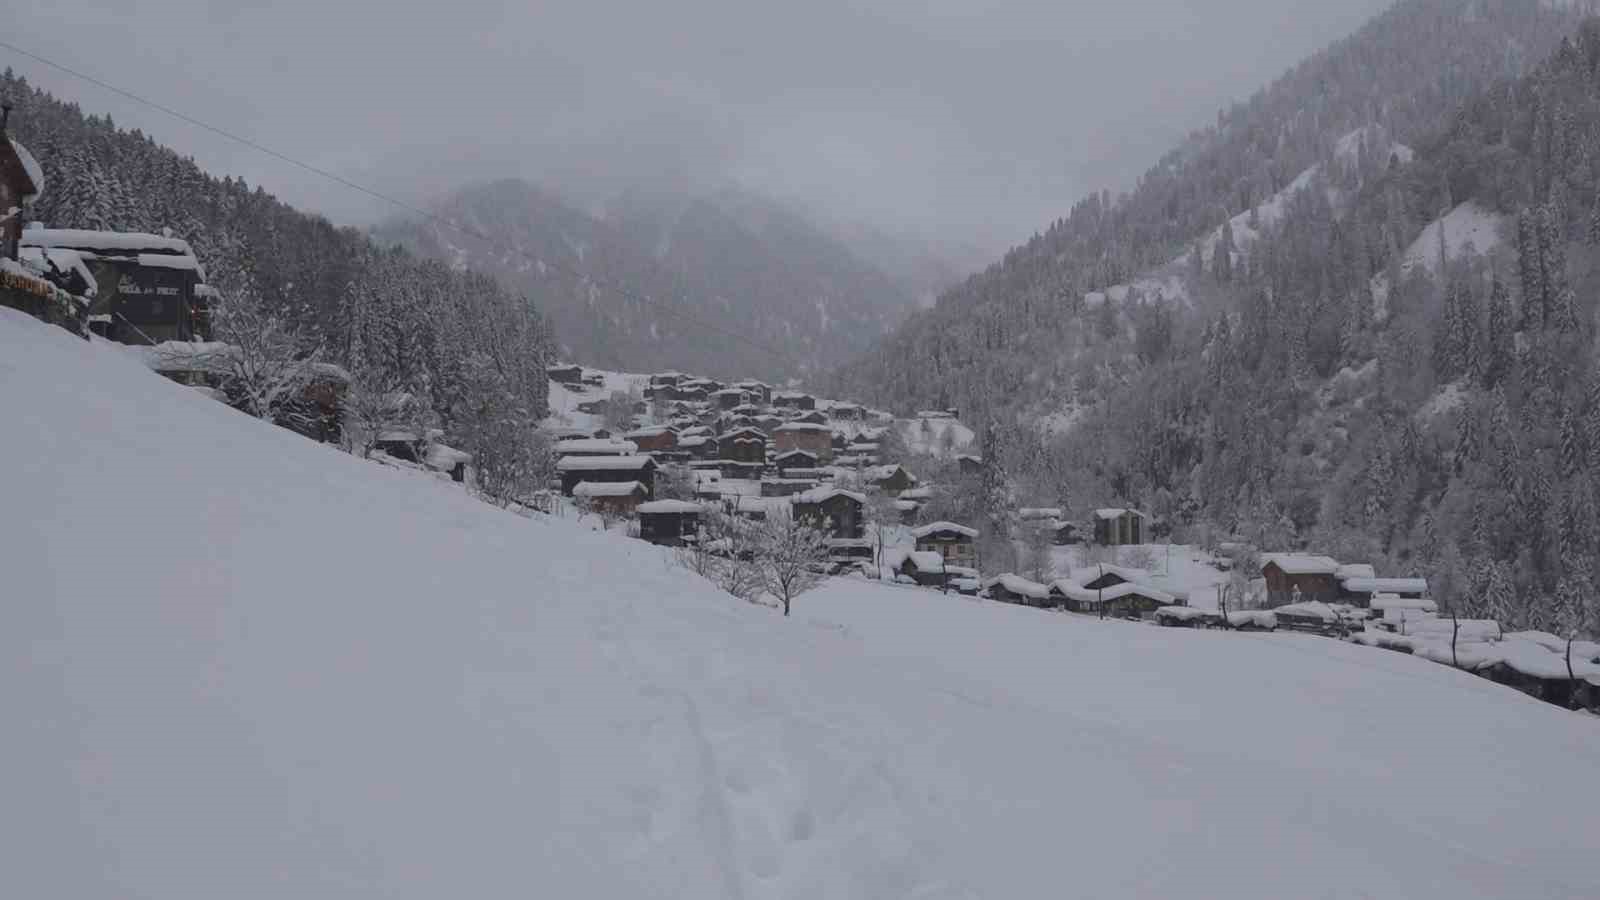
x=604 y=463
x=31 y=166
x=1032 y=513
x=883 y=473
x=1311 y=609
x=443 y=456
x=673 y=507
x=936 y=527
x=63 y=260
x=181 y=262
x=607 y=489
x=824 y=494
x=1386 y=585
x=1355 y=570
x=1087 y=574
x=1185 y=613
x=789 y=454
x=926 y=560
x=1116 y=513
x=1385 y=602
x=1073 y=589
x=917 y=493
x=120 y=242
x=1016 y=584
x=648 y=431
x=1580 y=649
x=597 y=446
x=803 y=426
x=693 y=441
x=907 y=505
x=1302 y=563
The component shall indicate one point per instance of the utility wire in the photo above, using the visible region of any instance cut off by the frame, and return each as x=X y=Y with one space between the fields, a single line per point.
x=615 y=287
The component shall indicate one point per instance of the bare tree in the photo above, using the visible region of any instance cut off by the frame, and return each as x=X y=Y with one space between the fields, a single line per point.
x=264 y=360
x=883 y=518
x=674 y=482
x=1037 y=549
x=618 y=413
x=791 y=558
x=724 y=554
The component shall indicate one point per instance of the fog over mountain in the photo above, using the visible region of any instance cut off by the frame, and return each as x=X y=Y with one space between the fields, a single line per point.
x=967 y=124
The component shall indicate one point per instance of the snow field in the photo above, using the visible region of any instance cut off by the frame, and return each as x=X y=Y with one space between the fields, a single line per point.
x=237 y=663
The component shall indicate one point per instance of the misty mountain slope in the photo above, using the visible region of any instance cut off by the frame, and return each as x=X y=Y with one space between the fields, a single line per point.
x=727 y=257
x=988 y=341
x=1405 y=377
x=371 y=684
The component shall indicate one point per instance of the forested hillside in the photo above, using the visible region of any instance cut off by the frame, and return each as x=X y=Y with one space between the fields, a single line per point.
x=1392 y=361
x=738 y=261
x=1007 y=337
x=469 y=354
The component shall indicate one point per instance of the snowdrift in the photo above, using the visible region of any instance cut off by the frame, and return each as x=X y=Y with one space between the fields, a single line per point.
x=239 y=664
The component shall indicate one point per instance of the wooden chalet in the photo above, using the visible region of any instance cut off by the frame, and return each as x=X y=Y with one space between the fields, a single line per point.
x=794 y=400
x=970 y=465
x=150 y=288
x=1298 y=577
x=847 y=554
x=758 y=391
x=617 y=498
x=698 y=446
x=1119 y=527
x=815 y=439
x=1013 y=588
x=814 y=417
x=795 y=459
x=669 y=523
x=569 y=375
x=21 y=183
x=1113 y=591
x=926 y=568
x=595 y=446
x=1360 y=590
x=615 y=469
x=786 y=487
x=746 y=445
x=891 y=479
x=835 y=510
x=956 y=544
x=729 y=398
x=656 y=438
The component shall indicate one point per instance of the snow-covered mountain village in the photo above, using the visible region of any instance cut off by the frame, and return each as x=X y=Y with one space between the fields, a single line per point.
x=1234 y=536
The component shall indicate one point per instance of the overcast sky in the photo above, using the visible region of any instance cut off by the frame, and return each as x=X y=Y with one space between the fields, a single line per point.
x=977 y=120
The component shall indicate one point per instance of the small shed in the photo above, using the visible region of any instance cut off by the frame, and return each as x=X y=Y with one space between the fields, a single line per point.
x=1117 y=527
x=1295 y=577
x=926 y=568
x=669 y=523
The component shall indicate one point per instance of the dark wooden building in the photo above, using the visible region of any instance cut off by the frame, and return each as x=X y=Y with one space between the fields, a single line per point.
x=670 y=523
x=21 y=182
x=1119 y=527
x=837 y=511
x=617 y=469
x=1297 y=577
x=746 y=445
x=148 y=284
x=956 y=544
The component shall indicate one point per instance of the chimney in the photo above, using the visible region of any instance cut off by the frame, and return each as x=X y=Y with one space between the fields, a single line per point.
x=5 y=115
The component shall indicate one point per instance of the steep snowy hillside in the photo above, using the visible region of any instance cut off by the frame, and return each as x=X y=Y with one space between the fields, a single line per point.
x=240 y=664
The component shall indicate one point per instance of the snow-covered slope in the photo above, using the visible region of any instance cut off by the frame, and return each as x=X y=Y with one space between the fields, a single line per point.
x=1468 y=228
x=236 y=663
